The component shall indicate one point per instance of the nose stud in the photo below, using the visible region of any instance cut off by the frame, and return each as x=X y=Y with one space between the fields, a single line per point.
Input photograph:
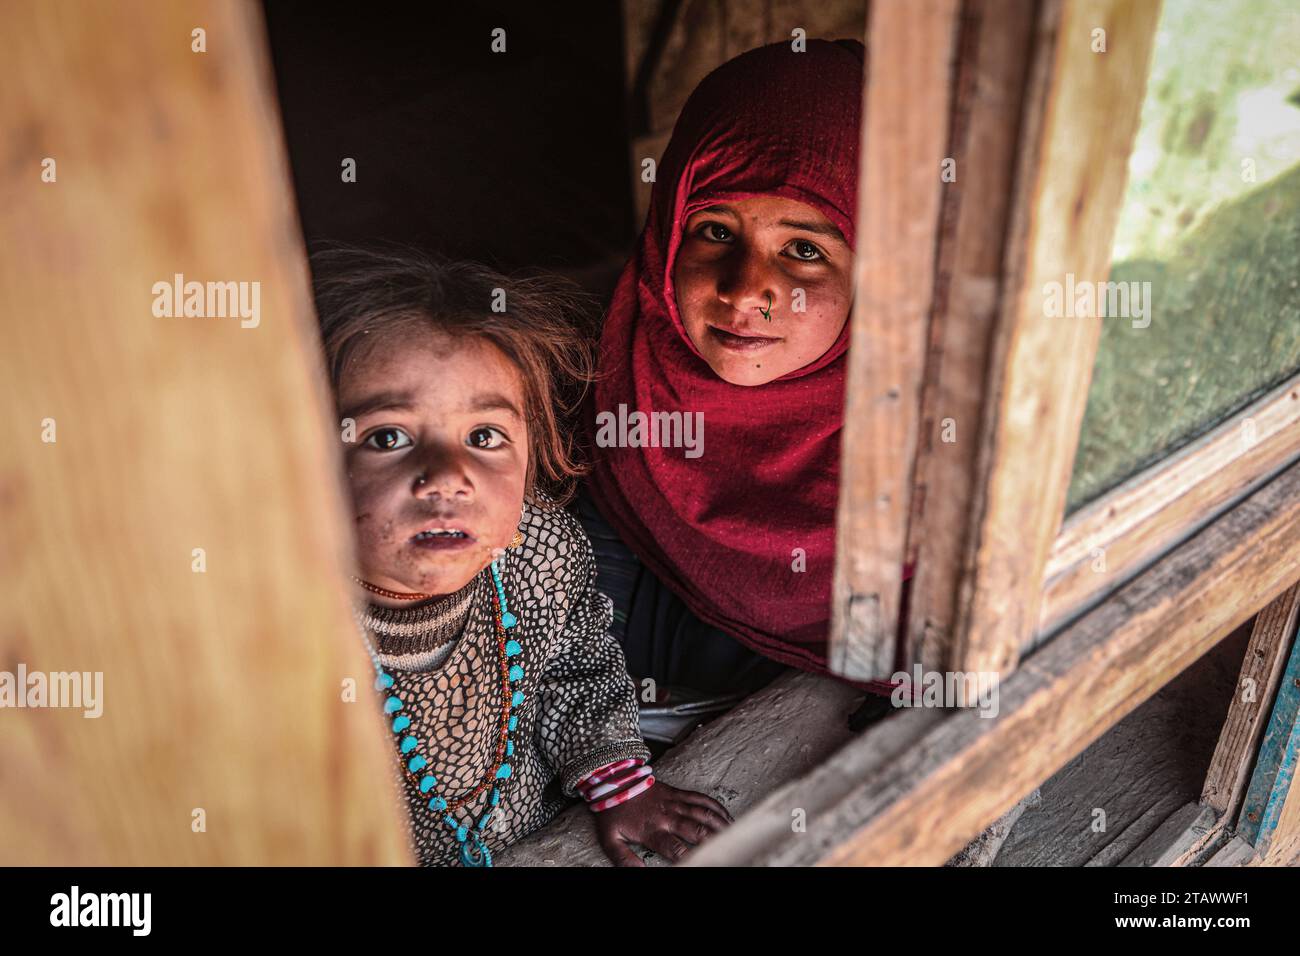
x=768 y=314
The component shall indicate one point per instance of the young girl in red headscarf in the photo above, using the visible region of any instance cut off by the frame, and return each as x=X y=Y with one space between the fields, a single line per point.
x=733 y=312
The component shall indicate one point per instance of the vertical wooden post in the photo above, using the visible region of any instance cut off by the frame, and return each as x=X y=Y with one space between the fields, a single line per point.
x=904 y=138
x=1284 y=845
x=1044 y=124
x=998 y=44
x=1083 y=115
x=1273 y=777
x=170 y=502
x=1257 y=684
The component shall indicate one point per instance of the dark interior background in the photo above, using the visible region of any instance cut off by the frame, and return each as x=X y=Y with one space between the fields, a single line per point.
x=517 y=159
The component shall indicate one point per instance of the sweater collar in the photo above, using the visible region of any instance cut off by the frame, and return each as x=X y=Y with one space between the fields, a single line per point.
x=422 y=627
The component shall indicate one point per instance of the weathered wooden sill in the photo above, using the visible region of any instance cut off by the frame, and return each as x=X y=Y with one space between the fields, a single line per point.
x=773 y=737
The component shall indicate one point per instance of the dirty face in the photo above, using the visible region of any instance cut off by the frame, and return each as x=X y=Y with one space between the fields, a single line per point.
x=438 y=469
x=763 y=285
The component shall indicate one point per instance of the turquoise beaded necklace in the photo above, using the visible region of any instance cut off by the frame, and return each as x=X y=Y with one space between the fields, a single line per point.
x=473 y=846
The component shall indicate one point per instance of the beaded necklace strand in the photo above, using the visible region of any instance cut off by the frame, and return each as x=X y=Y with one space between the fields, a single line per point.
x=473 y=847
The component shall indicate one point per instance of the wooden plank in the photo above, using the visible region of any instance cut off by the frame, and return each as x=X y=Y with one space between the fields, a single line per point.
x=1204 y=844
x=1183 y=829
x=1129 y=838
x=1110 y=539
x=1275 y=763
x=1236 y=852
x=1284 y=848
x=996 y=48
x=777 y=734
x=961 y=772
x=1071 y=187
x=1261 y=670
x=221 y=690
x=984 y=849
x=905 y=125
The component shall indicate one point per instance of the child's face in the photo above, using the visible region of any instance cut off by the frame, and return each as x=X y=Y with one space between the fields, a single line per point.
x=740 y=259
x=441 y=447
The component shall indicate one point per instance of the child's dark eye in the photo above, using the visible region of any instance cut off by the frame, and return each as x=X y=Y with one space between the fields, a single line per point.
x=486 y=437
x=387 y=439
x=805 y=251
x=715 y=231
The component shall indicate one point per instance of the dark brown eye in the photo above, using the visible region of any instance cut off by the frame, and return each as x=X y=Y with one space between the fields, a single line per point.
x=486 y=437
x=805 y=250
x=388 y=439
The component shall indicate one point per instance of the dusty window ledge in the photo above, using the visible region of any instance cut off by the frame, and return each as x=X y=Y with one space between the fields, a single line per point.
x=774 y=736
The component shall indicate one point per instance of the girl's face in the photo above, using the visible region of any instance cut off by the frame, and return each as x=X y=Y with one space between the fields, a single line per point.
x=438 y=467
x=739 y=260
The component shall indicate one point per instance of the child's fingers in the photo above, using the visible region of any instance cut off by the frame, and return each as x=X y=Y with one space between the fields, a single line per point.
x=705 y=816
x=620 y=853
x=692 y=831
x=668 y=845
x=703 y=800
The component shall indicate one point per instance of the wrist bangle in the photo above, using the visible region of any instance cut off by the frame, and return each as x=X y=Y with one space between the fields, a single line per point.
x=601 y=774
x=638 y=788
x=618 y=783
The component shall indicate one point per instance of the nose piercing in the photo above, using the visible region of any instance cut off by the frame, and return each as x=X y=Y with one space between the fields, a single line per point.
x=768 y=314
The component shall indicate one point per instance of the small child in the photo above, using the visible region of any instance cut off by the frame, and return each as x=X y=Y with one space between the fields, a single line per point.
x=504 y=690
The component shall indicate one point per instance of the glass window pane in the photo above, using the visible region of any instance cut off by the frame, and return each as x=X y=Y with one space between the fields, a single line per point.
x=1208 y=242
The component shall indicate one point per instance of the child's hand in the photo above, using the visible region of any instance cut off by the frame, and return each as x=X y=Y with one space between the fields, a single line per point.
x=664 y=819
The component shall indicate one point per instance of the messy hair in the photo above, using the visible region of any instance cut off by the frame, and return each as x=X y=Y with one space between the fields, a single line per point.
x=365 y=294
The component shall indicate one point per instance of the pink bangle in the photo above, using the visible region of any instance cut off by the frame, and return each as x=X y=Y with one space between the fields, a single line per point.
x=615 y=774
x=601 y=774
x=623 y=796
x=618 y=783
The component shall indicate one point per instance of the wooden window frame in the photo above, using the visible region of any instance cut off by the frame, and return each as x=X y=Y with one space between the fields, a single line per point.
x=999 y=566
x=915 y=788
x=1145 y=516
x=1040 y=130
x=1196 y=544
x=221 y=689
x=988 y=507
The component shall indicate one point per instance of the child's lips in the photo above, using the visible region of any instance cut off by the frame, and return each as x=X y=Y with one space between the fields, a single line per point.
x=443 y=537
x=741 y=343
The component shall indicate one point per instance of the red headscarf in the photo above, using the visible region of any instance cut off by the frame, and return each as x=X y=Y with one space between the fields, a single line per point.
x=729 y=531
